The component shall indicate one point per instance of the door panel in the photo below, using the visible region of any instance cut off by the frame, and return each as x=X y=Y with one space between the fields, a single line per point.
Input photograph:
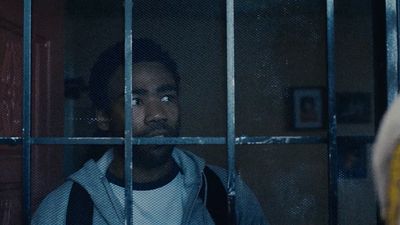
x=47 y=75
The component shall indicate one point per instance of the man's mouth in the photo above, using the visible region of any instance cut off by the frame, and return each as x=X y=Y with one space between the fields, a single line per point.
x=158 y=133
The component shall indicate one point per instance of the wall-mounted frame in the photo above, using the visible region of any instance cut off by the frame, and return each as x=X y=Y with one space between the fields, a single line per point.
x=307 y=107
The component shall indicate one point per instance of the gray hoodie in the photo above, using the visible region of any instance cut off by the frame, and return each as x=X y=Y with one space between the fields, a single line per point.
x=108 y=210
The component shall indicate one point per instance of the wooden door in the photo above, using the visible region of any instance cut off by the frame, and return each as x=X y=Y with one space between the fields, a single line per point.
x=47 y=103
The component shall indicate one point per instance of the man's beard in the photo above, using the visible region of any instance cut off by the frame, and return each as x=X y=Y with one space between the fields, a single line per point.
x=153 y=156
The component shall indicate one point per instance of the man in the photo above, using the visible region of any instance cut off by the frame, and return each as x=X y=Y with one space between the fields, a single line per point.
x=171 y=186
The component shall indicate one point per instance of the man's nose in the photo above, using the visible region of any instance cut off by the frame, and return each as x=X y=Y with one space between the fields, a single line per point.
x=155 y=112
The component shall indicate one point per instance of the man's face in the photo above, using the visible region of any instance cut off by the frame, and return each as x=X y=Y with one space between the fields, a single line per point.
x=155 y=109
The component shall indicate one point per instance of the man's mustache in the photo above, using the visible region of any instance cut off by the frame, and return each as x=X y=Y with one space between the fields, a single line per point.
x=158 y=128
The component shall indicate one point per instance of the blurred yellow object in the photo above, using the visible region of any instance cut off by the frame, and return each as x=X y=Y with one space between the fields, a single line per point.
x=394 y=189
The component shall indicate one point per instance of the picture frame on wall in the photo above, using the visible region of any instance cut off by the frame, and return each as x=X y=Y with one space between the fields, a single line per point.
x=307 y=108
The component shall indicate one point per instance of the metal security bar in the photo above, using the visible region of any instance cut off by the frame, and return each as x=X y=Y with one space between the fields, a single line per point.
x=242 y=140
x=332 y=139
x=128 y=114
x=396 y=74
x=392 y=49
x=230 y=54
x=26 y=125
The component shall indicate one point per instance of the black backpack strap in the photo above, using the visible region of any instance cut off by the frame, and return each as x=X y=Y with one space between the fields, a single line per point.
x=80 y=206
x=217 y=199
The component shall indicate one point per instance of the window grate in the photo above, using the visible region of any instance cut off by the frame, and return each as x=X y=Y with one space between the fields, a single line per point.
x=231 y=140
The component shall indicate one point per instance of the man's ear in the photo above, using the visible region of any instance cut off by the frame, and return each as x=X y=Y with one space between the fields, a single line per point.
x=102 y=120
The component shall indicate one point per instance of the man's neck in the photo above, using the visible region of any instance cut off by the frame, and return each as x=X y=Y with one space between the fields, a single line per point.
x=141 y=174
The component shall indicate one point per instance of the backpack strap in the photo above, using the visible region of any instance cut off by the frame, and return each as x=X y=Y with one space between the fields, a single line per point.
x=217 y=198
x=80 y=206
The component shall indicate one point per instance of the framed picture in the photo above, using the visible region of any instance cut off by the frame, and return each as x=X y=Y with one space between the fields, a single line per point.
x=353 y=107
x=307 y=108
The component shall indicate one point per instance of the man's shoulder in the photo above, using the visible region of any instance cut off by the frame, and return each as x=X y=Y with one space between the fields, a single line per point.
x=247 y=206
x=221 y=172
x=52 y=208
x=60 y=193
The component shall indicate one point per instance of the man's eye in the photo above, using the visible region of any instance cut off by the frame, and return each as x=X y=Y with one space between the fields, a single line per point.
x=168 y=98
x=136 y=101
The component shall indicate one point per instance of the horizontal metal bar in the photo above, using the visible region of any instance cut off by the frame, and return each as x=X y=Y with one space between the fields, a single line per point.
x=180 y=141
x=78 y=141
x=135 y=141
x=280 y=140
x=242 y=140
x=10 y=140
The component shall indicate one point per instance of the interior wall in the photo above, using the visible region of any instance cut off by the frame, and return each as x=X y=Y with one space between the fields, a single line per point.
x=275 y=52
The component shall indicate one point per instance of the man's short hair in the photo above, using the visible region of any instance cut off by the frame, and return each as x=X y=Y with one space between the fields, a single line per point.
x=106 y=65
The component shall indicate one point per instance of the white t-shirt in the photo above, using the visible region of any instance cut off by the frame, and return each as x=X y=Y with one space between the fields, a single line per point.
x=161 y=204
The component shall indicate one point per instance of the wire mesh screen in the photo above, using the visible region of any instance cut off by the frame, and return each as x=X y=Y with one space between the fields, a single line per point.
x=289 y=181
x=10 y=113
x=46 y=171
x=355 y=111
x=355 y=187
x=180 y=90
x=355 y=72
x=281 y=90
x=90 y=28
x=47 y=102
x=281 y=55
x=11 y=183
x=194 y=34
x=11 y=79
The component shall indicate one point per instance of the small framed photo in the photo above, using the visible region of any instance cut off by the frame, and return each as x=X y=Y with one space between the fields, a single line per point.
x=307 y=108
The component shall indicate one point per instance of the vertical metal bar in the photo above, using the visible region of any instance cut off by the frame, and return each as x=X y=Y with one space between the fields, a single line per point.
x=332 y=138
x=392 y=51
x=128 y=166
x=26 y=107
x=230 y=48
